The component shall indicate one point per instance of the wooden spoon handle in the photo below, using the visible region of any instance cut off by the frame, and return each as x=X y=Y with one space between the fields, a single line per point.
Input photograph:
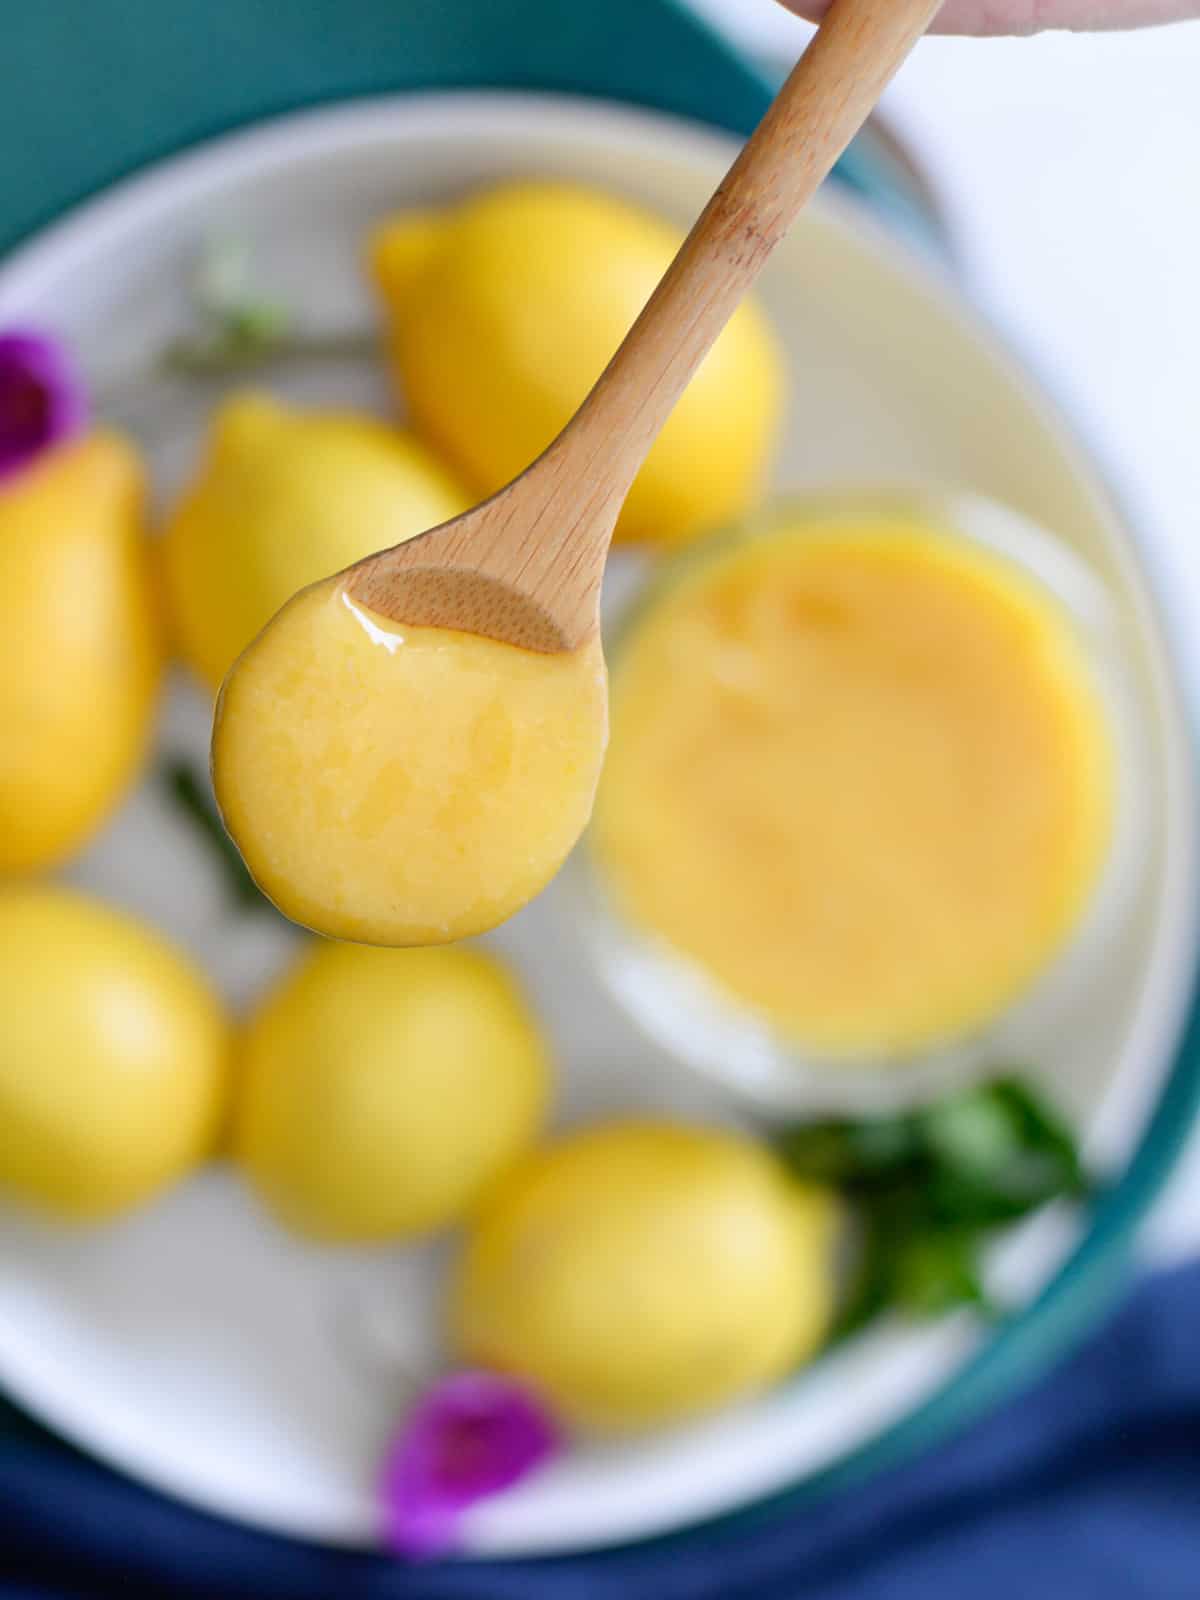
x=526 y=565
x=831 y=91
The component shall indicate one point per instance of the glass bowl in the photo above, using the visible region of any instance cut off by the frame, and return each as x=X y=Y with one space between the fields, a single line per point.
x=686 y=1010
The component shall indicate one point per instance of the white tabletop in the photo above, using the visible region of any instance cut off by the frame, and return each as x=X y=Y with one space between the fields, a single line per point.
x=1069 y=167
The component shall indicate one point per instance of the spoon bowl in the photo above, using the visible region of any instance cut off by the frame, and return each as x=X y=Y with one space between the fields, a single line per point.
x=510 y=569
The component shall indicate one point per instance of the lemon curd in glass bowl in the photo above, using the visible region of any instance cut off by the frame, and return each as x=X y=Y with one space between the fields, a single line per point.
x=861 y=794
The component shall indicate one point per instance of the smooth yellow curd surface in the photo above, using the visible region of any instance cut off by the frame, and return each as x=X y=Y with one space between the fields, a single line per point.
x=403 y=786
x=861 y=775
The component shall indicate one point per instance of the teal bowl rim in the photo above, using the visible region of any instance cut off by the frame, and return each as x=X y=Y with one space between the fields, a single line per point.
x=64 y=72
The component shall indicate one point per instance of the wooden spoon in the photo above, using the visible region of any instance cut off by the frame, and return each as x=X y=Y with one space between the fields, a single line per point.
x=525 y=566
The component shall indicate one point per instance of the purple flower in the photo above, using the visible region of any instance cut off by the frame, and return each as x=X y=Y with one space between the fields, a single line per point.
x=470 y=1436
x=42 y=399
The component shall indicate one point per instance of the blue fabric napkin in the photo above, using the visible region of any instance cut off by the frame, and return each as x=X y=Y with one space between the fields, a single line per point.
x=1087 y=1487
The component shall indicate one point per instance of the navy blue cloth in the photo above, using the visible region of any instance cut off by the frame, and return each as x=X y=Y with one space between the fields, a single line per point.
x=1087 y=1487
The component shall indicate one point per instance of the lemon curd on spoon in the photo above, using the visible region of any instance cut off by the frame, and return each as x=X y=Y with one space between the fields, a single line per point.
x=404 y=785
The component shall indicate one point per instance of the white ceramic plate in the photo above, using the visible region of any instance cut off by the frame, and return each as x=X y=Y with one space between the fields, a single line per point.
x=197 y=1346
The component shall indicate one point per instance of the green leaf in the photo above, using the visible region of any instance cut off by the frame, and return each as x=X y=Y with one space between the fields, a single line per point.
x=868 y=1290
x=908 y=1264
x=229 y=351
x=926 y=1187
x=850 y=1154
x=937 y=1271
x=1042 y=1129
x=973 y=1133
x=191 y=796
x=221 y=275
x=258 y=324
x=997 y=1153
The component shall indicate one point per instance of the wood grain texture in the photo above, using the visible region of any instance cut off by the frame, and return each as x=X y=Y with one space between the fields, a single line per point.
x=526 y=565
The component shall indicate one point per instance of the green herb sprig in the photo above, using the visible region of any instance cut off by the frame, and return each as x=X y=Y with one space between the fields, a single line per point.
x=191 y=795
x=235 y=330
x=928 y=1186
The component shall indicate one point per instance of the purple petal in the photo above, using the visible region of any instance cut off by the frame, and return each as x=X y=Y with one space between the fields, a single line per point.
x=42 y=398
x=470 y=1436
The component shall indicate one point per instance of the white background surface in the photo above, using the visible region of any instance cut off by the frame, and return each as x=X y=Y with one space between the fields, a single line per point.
x=1069 y=167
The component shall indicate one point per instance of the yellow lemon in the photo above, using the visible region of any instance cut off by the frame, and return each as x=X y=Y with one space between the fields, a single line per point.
x=79 y=657
x=113 y=1057
x=505 y=309
x=282 y=499
x=381 y=1090
x=639 y=1272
